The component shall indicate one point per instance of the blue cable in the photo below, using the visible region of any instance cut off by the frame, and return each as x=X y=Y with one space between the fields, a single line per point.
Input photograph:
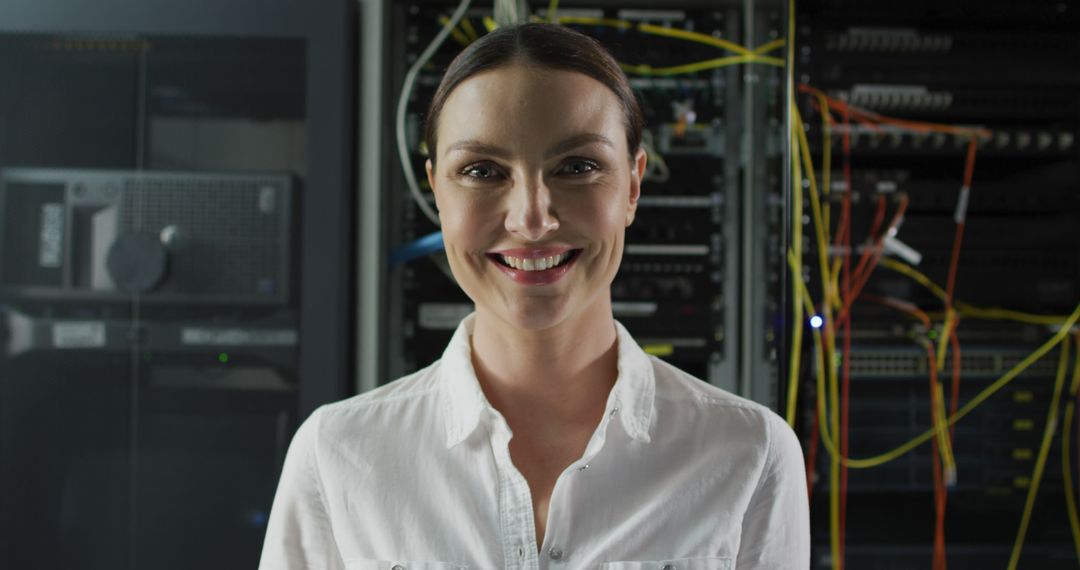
x=422 y=247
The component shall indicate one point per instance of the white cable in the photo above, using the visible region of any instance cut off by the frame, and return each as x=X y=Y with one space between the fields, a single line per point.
x=403 y=101
x=510 y=12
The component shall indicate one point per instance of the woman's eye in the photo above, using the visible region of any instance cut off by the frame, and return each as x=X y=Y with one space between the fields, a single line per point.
x=480 y=171
x=579 y=167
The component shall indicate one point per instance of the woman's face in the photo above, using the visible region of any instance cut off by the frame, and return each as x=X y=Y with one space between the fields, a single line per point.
x=535 y=189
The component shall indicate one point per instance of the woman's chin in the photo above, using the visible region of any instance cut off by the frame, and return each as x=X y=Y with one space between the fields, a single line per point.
x=536 y=315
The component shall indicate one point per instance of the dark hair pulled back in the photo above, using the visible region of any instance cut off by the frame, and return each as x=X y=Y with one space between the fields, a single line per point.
x=544 y=45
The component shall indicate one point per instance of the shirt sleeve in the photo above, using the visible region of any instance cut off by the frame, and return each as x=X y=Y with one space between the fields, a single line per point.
x=299 y=534
x=776 y=526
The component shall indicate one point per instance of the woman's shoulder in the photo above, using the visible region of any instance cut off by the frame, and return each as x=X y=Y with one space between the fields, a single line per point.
x=673 y=383
x=706 y=408
x=679 y=390
x=410 y=390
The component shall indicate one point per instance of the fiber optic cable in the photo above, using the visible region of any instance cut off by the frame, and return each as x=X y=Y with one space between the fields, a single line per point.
x=905 y=124
x=1040 y=462
x=769 y=46
x=822 y=411
x=457 y=34
x=796 y=279
x=978 y=399
x=835 y=493
x=796 y=227
x=403 y=101
x=941 y=444
x=467 y=27
x=645 y=69
x=1066 y=468
x=421 y=247
x=964 y=309
x=744 y=54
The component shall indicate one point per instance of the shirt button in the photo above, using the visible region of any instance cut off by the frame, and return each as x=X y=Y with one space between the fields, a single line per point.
x=555 y=553
x=398 y=567
x=521 y=552
x=669 y=567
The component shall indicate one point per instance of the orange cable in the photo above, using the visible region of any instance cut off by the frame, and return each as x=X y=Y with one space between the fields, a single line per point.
x=939 y=484
x=877 y=250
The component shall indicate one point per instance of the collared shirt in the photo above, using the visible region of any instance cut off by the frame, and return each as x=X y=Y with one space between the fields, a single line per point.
x=417 y=475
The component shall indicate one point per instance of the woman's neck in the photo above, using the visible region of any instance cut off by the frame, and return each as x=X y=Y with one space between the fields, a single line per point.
x=557 y=376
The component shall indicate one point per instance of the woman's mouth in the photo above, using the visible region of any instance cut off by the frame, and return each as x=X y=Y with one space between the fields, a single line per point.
x=540 y=270
x=535 y=264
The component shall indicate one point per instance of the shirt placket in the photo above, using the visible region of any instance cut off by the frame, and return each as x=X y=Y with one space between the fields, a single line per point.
x=515 y=506
x=557 y=550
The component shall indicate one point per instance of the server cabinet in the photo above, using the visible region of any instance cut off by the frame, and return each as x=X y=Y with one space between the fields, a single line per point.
x=176 y=197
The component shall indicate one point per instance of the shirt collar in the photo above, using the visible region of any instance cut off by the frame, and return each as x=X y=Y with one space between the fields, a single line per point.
x=461 y=389
x=635 y=389
x=631 y=398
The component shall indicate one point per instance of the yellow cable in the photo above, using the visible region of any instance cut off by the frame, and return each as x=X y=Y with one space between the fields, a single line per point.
x=819 y=228
x=815 y=205
x=646 y=69
x=834 y=283
x=965 y=309
x=946 y=330
x=469 y=29
x=823 y=260
x=914 y=274
x=824 y=418
x=1009 y=315
x=770 y=46
x=553 y=7
x=490 y=24
x=1040 y=463
x=796 y=281
x=1019 y=368
x=948 y=460
x=745 y=55
x=460 y=37
x=686 y=35
x=795 y=253
x=1066 y=467
x=826 y=153
x=696 y=37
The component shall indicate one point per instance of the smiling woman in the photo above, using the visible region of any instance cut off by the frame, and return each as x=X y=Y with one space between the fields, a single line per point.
x=544 y=435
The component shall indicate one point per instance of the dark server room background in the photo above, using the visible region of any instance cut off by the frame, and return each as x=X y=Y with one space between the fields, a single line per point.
x=863 y=214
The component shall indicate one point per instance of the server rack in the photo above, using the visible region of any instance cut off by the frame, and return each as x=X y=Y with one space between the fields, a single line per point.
x=683 y=258
x=145 y=408
x=964 y=119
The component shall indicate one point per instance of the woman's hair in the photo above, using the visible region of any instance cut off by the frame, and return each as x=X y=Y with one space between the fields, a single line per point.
x=543 y=45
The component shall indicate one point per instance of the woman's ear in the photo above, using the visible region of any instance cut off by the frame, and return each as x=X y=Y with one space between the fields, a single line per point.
x=637 y=172
x=430 y=169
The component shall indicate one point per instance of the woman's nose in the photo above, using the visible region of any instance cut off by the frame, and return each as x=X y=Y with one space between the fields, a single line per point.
x=530 y=213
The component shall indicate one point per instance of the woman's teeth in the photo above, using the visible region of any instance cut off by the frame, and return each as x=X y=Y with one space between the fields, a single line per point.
x=535 y=264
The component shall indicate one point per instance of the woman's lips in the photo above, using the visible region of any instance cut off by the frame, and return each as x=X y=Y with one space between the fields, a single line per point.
x=526 y=276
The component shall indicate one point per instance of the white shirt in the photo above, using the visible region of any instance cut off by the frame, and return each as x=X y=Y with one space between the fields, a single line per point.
x=417 y=475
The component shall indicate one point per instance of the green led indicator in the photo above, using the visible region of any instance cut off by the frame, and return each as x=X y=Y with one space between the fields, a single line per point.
x=223 y=357
x=933 y=334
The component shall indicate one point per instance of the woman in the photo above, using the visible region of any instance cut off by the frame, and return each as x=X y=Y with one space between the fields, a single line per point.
x=544 y=437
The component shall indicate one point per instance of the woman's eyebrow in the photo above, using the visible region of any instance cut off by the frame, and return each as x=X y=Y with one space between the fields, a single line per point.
x=579 y=140
x=477 y=147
